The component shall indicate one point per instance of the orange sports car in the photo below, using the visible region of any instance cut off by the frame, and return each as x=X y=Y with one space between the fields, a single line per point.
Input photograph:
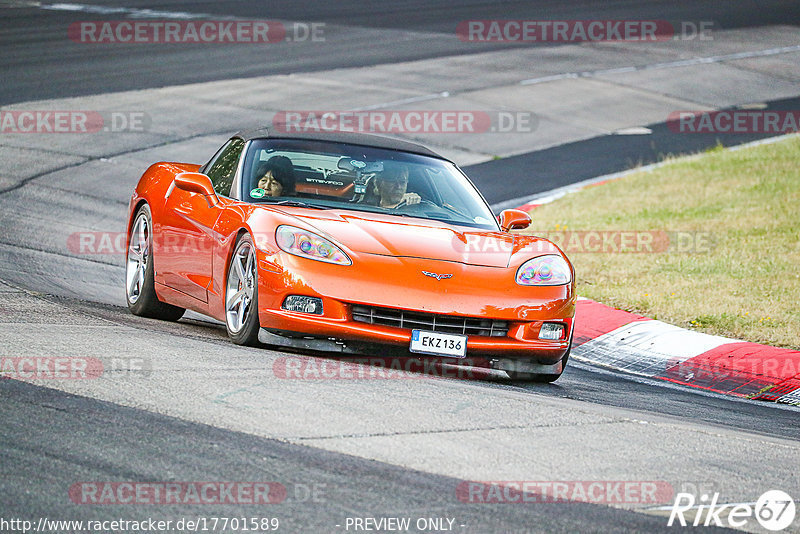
x=350 y=243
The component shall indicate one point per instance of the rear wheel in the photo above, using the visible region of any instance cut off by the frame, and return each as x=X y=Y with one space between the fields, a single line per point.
x=241 y=294
x=140 y=286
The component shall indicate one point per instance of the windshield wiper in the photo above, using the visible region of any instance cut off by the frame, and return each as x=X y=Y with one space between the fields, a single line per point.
x=294 y=203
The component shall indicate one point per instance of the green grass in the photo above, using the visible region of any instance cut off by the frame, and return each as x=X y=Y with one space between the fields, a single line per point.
x=746 y=285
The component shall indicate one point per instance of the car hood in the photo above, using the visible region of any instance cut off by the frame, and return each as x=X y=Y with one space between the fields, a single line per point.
x=387 y=235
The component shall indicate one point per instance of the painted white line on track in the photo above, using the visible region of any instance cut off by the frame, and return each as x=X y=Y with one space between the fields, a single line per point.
x=665 y=65
x=18 y=4
x=635 y=130
x=638 y=130
x=133 y=13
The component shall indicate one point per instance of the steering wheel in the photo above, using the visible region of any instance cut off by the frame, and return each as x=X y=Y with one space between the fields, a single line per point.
x=420 y=204
x=424 y=206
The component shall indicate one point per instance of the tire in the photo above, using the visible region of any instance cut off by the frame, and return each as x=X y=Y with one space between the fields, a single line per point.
x=540 y=378
x=140 y=285
x=241 y=294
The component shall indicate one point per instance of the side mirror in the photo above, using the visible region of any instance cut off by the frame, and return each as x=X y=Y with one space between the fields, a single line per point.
x=195 y=182
x=513 y=220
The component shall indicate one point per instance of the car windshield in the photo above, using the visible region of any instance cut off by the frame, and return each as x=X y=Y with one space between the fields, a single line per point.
x=344 y=176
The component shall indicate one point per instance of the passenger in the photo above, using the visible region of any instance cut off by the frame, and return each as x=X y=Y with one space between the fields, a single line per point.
x=390 y=187
x=276 y=177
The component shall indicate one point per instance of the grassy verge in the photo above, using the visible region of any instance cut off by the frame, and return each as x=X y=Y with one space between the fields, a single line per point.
x=718 y=240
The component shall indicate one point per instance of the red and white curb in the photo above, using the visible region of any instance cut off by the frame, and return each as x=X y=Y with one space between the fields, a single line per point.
x=634 y=344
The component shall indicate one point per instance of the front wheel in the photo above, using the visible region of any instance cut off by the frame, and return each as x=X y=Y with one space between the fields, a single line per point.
x=540 y=378
x=140 y=285
x=241 y=294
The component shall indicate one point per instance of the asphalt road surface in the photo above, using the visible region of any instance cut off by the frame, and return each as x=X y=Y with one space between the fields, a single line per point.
x=211 y=411
x=37 y=61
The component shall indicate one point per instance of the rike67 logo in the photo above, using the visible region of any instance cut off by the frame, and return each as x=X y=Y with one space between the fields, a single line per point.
x=774 y=511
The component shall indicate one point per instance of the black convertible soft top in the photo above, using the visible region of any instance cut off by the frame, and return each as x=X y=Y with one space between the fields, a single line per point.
x=376 y=141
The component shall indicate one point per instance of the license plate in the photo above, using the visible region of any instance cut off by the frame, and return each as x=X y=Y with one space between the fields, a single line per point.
x=451 y=345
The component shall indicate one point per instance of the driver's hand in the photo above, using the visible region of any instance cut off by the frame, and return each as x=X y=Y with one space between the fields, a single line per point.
x=411 y=198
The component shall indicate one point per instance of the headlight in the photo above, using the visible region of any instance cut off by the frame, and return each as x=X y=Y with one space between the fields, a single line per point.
x=309 y=245
x=548 y=270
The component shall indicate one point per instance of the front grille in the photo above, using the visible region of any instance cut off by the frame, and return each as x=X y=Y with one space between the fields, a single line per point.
x=450 y=324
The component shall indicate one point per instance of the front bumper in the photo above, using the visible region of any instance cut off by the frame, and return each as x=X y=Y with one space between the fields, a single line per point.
x=389 y=282
x=337 y=332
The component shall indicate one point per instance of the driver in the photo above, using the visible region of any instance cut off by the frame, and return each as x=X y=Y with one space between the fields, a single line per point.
x=391 y=185
x=276 y=177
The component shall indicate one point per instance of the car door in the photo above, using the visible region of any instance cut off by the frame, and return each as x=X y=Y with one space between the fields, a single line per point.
x=188 y=237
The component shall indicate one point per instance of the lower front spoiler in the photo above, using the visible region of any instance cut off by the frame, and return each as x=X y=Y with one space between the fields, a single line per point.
x=523 y=364
x=299 y=341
